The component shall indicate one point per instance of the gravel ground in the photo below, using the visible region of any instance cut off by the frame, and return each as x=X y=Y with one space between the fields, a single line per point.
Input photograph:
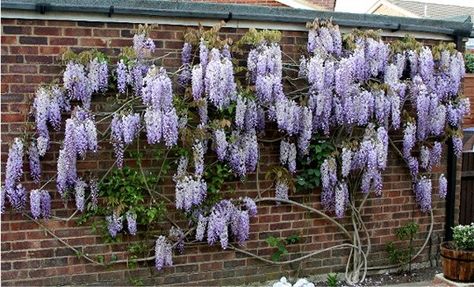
x=419 y=277
x=390 y=279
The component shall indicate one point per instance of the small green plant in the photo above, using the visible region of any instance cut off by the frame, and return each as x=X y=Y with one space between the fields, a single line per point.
x=310 y=175
x=463 y=236
x=281 y=244
x=331 y=280
x=399 y=255
x=469 y=62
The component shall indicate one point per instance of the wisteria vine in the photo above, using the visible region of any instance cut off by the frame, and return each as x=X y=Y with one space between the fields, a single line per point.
x=363 y=95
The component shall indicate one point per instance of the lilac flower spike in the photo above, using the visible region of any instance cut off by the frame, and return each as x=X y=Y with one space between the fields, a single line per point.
x=163 y=253
x=443 y=186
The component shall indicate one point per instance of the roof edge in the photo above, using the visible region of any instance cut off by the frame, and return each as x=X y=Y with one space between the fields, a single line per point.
x=230 y=12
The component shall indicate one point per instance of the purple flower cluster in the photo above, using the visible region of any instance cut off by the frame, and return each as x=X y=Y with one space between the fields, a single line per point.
x=98 y=75
x=288 y=155
x=457 y=145
x=163 y=253
x=341 y=199
x=94 y=193
x=325 y=39
x=189 y=192
x=124 y=129
x=80 y=194
x=409 y=139
x=198 y=157
x=220 y=144
x=80 y=136
x=48 y=105
x=185 y=76
x=288 y=114
x=81 y=82
x=40 y=203
x=219 y=82
x=265 y=71
x=422 y=190
x=35 y=165
x=143 y=45
x=281 y=189
x=246 y=115
x=456 y=110
x=131 y=222
x=13 y=174
x=161 y=120
x=114 y=224
x=243 y=153
x=443 y=186
x=122 y=76
x=177 y=236
x=77 y=83
x=222 y=216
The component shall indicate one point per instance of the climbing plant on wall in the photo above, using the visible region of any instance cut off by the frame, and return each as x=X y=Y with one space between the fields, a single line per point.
x=338 y=110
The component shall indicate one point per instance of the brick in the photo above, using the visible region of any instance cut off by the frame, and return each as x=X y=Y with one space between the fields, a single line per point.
x=77 y=32
x=33 y=40
x=67 y=41
x=50 y=31
x=92 y=42
x=17 y=30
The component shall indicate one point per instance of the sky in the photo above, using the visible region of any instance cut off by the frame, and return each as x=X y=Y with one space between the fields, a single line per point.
x=361 y=6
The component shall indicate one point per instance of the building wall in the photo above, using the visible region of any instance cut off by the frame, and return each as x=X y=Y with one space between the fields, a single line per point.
x=385 y=10
x=30 y=56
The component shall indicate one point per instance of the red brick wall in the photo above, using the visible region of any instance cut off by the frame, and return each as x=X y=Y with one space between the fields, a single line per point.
x=30 y=50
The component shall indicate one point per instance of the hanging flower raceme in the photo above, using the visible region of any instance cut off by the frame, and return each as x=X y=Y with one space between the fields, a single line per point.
x=80 y=136
x=265 y=71
x=328 y=182
x=443 y=186
x=341 y=199
x=114 y=224
x=35 y=165
x=287 y=116
x=324 y=38
x=225 y=215
x=131 y=222
x=77 y=83
x=177 y=236
x=14 y=191
x=185 y=76
x=281 y=190
x=243 y=153
x=246 y=115
x=220 y=144
x=124 y=129
x=40 y=203
x=189 y=192
x=288 y=155
x=80 y=194
x=219 y=84
x=98 y=74
x=163 y=253
x=161 y=120
x=422 y=190
x=143 y=45
x=456 y=110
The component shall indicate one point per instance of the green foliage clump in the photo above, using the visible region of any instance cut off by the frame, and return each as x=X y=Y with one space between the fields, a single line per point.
x=399 y=255
x=281 y=245
x=463 y=236
x=331 y=280
x=310 y=175
x=469 y=62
